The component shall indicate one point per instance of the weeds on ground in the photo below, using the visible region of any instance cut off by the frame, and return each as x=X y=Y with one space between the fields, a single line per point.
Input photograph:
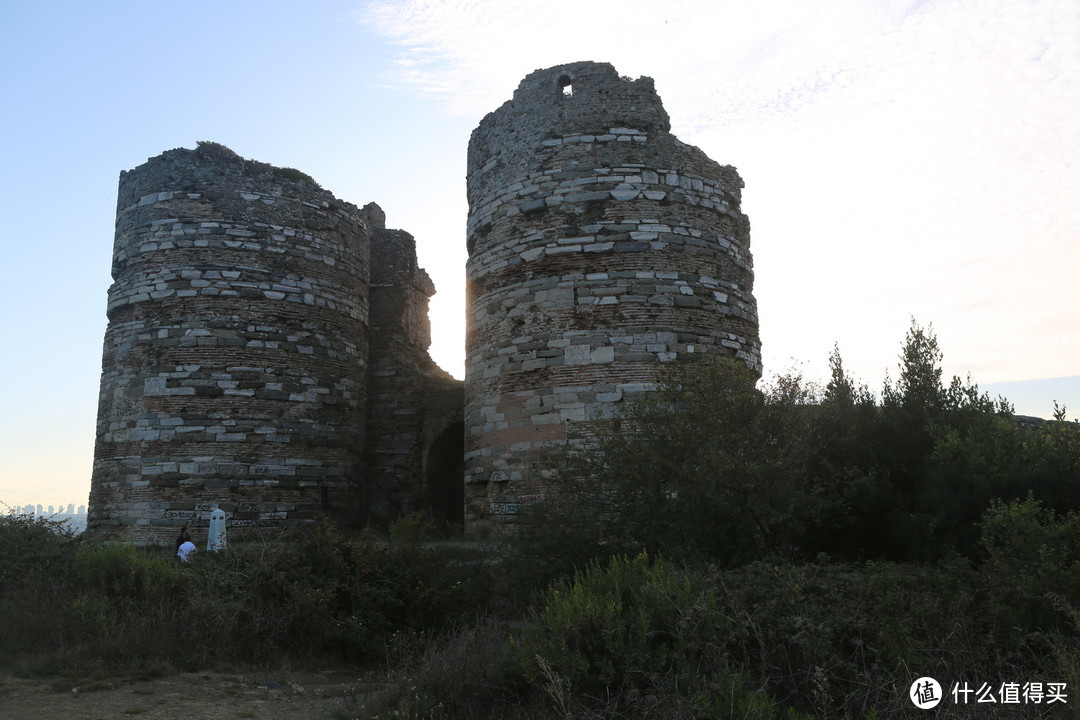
x=71 y=606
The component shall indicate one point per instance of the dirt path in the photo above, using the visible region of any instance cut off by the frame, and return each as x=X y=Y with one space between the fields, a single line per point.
x=188 y=696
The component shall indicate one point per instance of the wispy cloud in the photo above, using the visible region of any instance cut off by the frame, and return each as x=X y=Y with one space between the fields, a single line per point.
x=925 y=153
x=768 y=56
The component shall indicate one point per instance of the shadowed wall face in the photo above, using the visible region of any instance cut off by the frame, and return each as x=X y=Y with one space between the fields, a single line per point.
x=410 y=400
x=599 y=246
x=234 y=363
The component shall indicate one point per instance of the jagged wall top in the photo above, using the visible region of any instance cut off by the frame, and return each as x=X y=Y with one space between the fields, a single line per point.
x=205 y=168
x=574 y=98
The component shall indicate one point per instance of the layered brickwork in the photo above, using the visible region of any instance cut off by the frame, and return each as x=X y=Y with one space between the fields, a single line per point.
x=266 y=350
x=234 y=368
x=410 y=399
x=599 y=246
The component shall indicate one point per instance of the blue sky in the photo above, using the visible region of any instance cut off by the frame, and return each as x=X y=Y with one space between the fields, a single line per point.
x=901 y=159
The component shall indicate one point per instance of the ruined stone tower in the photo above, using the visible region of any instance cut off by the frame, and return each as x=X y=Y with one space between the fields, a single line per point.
x=267 y=343
x=599 y=246
x=235 y=372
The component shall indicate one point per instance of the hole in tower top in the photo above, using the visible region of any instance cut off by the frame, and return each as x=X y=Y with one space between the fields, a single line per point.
x=567 y=85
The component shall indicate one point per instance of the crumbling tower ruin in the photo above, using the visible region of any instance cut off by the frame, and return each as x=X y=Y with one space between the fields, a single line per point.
x=599 y=246
x=267 y=343
x=244 y=318
x=220 y=379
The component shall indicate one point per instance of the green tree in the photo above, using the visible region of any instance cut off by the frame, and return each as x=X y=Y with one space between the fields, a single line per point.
x=707 y=465
x=710 y=466
x=945 y=452
x=1033 y=561
x=909 y=406
x=845 y=464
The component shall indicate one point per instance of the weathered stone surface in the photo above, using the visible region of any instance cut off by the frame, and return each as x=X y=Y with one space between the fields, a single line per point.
x=236 y=362
x=266 y=349
x=645 y=252
x=410 y=400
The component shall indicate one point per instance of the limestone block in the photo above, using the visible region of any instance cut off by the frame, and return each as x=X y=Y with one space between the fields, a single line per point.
x=625 y=191
x=603 y=354
x=577 y=355
x=154 y=386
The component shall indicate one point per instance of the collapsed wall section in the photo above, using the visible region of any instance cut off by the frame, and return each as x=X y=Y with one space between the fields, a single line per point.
x=411 y=401
x=234 y=362
x=599 y=246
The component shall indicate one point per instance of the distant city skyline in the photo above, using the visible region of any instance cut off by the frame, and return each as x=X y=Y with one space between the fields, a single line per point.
x=39 y=509
x=72 y=515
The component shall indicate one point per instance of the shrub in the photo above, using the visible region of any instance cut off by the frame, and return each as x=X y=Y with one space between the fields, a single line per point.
x=848 y=640
x=1032 y=551
x=32 y=546
x=468 y=673
x=293 y=175
x=75 y=604
x=125 y=573
x=214 y=150
x=607 y=625
x=34 y=584
x=631 y=632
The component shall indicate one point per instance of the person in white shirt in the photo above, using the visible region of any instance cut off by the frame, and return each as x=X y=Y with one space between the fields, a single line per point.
x=186 y=550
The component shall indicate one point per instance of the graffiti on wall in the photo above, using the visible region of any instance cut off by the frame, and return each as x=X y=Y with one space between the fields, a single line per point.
x=511 y=504
x=245 y=515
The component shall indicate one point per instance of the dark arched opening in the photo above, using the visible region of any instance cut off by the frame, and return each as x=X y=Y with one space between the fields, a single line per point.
x=445 y=491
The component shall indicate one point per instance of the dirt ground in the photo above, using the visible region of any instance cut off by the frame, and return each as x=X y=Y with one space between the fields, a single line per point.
x=185 y=696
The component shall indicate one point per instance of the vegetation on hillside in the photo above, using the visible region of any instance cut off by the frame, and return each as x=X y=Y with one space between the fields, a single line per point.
x=722 y=551
x=709 y=467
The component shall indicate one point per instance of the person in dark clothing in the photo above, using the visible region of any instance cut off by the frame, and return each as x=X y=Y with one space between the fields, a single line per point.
x=185 y=536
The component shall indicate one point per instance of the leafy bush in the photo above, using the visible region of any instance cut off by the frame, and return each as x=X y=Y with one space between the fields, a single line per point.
x=333 y=593
x=127 y=574
x=608 y=624
x=293 y=175
x=848 y=640
x=215 y=150
x=34 y=571
x=33 y=546
x=822 y=639
x=710 y=468
x=706 y=467
x=821 y=636
x=1033 y=562
x=74 y=604
x=632 y=631
x=467 y=673
x=218 y=153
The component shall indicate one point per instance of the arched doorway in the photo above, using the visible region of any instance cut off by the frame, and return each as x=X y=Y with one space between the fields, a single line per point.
x=445 y=481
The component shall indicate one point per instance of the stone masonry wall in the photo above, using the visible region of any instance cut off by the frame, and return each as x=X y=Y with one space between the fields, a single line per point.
x=234 y=365
x=401 y=380
x=599 y=246
x=267 y=342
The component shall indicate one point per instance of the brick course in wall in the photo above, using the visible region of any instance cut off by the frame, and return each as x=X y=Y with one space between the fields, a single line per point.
x=599 y=246
x=267 y=342
x=406 y=390
x=235 y=370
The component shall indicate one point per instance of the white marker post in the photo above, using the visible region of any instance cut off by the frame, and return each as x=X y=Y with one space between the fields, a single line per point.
x=216 y=539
